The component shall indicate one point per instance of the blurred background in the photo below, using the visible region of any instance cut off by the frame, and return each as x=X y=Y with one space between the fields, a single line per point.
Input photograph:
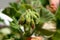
x=5 y=3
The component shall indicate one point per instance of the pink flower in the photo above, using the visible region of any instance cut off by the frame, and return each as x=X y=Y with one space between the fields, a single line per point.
x=53 y=5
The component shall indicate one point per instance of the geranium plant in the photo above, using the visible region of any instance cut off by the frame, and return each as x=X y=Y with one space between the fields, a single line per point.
x=30 y=18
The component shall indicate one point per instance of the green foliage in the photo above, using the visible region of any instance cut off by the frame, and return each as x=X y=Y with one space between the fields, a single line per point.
x=45 y=2
x=57 y=34
x=47 y=15
x=31 y=15
x=1 y=20
x=58 y=13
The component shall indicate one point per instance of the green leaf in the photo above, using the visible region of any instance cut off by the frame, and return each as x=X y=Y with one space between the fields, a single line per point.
x=57 y=35
x=46 y=15
x=36 y=4
x=14 y=24
x=1 y=20
x=14 y=5
x=44 y=2
x=10 y=11
x=58 y=13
